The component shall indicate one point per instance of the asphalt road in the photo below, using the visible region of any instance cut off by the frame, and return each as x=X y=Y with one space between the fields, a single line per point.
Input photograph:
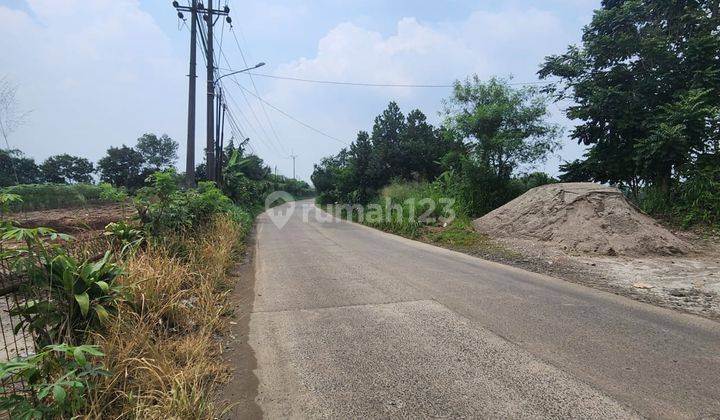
x=352 y=322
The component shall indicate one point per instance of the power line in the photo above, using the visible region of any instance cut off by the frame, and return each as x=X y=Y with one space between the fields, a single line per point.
x=293 y=118
x=270 y=146
x=269 y=139
x=370 y=84
x=242 y=55
x=227 y=93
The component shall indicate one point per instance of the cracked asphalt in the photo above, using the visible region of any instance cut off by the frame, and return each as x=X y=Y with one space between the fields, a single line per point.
x=353 y=322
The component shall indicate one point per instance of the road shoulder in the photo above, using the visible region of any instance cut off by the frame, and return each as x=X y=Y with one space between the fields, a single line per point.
x=239 y=393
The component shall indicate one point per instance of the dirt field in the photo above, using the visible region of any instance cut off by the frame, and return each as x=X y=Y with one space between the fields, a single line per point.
x=690 y=283
x=73 y=220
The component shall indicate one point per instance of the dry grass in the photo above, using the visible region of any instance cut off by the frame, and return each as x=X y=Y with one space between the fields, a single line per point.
x=162 y=349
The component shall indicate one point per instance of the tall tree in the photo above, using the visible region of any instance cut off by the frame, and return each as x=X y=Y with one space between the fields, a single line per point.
x=159 y=153
x=64 y=169
x=122 y=167
x=506 y=127
x=424 y=147
x=389 y=157
x=15 y=169
x=359 y=158
x=645 y=86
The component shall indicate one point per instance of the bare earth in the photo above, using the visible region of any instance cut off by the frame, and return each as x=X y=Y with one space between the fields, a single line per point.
x=72 y=220
x=591 y=234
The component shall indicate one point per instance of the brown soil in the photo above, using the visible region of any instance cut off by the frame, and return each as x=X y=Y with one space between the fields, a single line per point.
x=73 y=220
x=238 y=395
x=581 y=218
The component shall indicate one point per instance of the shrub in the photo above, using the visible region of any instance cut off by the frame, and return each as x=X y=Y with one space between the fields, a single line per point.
x=163 y=207
x=700 y=196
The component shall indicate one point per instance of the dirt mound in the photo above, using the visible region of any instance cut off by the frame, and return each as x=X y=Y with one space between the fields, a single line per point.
x=581 y=218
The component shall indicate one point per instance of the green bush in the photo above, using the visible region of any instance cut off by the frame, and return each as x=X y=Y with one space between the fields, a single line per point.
x=164 y=207
x=700 y=196
x=52 y=196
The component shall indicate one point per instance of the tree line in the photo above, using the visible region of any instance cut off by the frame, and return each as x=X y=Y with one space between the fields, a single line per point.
x=246 y=179
x=644 y=88
x=490 y=131
x=121 y=166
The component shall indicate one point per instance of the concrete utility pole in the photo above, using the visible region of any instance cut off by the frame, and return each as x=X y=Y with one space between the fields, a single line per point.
x=210 y=147
x=210 y=144
x=190 y=148
x=293 y=156
x=219 y=135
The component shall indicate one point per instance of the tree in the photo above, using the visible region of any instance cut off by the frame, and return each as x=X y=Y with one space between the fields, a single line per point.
x=505 y=127
x=10 y=115
x=122 y=167
x=15 y=169
x=645 y=86
x=158 y=153
x=360 y=157
x=388 y=157
x=424 y=146
x=64 y=169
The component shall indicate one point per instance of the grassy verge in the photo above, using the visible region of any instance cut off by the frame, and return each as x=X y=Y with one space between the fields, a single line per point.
x=162 y=348
x=458 y=235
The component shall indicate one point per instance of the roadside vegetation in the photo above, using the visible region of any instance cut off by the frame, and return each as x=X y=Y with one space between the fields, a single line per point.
x=134 y=331
x=131 y=334
x=438 y=179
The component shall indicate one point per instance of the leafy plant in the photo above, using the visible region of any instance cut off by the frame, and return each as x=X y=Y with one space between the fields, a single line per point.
x=6 y=200
x=124 y=236
x=64 y=297
x=110 y=193
x=164 y=207
x=59 y=377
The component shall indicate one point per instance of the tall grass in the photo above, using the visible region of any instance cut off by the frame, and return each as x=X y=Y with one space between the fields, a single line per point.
x=412 y=205
x=162 y=348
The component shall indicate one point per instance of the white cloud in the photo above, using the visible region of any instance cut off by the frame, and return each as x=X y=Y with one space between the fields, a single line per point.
x=102 y=72
x=487 y=43
x=93 y=73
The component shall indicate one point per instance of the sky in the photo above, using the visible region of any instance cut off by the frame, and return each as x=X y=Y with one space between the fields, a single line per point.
x=101 y=73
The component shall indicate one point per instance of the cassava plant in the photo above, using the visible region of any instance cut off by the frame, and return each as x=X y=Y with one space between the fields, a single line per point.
x=58 y=379
x=63 y=297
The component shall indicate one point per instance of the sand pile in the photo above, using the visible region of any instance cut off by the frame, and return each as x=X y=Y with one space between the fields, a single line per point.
x=581 y=218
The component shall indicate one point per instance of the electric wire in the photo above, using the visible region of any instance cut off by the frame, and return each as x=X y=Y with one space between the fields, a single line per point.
x=371 y=84
x=242 y=55
x=304 y=124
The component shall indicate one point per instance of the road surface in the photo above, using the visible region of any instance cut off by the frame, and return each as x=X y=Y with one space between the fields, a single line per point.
x=353 y=322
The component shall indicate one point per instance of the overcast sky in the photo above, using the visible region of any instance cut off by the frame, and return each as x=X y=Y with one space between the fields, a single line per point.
x=100 y=73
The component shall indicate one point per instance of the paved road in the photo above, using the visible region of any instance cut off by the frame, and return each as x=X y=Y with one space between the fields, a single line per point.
x=352 y=322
